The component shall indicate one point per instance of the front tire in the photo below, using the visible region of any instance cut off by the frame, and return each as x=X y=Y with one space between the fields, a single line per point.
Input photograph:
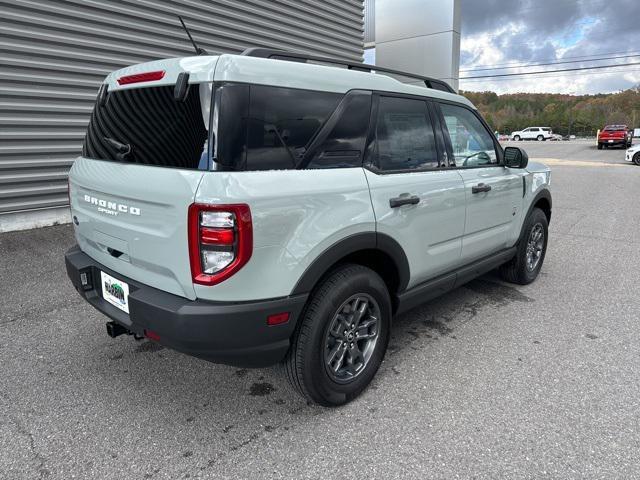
x=532 y=248
x=540 y=138
x=342 y=337
x=517 y=138
x=636 y=159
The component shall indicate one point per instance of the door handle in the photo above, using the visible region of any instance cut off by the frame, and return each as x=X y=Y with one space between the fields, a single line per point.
x=404 y=199
x=480 y=188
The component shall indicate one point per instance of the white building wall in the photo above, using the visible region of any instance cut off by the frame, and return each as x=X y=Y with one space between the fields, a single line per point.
x=419 y=36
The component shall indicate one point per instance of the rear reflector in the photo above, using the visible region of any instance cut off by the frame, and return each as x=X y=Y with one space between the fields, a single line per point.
x=278 y=318
x=217 y=236
x=141 y=77
x=151 y=335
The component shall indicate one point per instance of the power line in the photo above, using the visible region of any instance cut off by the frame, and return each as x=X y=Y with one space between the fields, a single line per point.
x=550 y=59
x=565 y=75
x=552 y=63
x=560 y=75
x=542 y=72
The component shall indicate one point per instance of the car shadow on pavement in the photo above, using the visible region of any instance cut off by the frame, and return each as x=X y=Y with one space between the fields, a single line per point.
x=205 y=387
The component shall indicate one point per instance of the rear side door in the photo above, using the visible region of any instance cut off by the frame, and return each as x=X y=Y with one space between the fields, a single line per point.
x=417 y=201
x=493 y=192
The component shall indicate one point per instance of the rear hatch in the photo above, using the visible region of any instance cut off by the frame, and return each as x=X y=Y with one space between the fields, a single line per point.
x=613 y=133
x=143 y=158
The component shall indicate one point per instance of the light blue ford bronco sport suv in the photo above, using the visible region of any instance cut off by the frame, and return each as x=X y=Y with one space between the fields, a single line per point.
x=272 y=207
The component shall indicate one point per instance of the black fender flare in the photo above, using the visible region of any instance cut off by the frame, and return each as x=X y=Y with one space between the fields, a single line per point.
x=546 y=194
x=543 y=194
x=347 y=246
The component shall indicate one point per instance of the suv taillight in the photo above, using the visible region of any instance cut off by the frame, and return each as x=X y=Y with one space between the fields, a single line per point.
x=220 y=241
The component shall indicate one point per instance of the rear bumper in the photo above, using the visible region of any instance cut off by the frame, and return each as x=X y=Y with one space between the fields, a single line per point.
x=221 y=332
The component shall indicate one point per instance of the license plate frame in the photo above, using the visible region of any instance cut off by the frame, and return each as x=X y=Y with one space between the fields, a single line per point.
x=115 y=291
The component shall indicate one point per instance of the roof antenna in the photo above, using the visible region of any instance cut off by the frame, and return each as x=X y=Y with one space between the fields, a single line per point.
x=199 y=51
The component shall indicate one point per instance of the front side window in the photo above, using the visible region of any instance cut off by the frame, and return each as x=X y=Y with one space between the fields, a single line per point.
x=404 y=135
x=472 y=143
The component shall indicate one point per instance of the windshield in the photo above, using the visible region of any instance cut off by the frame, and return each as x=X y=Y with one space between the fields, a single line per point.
x=148 y=126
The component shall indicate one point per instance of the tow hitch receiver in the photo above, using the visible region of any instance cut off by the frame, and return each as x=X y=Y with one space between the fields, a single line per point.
x=115 y=329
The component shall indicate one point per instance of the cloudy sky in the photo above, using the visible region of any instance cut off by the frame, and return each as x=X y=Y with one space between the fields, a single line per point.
x=513 y=33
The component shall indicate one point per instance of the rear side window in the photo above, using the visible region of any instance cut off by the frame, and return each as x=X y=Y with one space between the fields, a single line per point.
x=148 y=126
x=344 y=145
x=282 y=122
x=404 y=135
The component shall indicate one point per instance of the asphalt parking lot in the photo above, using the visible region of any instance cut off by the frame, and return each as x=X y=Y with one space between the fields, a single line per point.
x=490 y=381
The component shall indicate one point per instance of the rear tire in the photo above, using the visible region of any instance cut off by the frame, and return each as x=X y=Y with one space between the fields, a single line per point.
x=532 y=248
x=636 y=159
x=341 y=338
x=600 y=146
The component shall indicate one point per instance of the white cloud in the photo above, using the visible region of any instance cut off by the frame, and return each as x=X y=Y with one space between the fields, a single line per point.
x=544 y=31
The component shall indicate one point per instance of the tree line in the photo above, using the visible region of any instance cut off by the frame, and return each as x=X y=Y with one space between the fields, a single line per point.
x=580 y=115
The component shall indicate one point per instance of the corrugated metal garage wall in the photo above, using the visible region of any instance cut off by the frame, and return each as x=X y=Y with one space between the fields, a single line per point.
x=369 y=22
x=55 y=53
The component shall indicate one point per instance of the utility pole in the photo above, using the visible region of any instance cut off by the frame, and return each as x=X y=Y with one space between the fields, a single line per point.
x=570 y=115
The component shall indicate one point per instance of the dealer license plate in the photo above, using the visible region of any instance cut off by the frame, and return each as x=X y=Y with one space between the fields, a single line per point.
x=115 y=291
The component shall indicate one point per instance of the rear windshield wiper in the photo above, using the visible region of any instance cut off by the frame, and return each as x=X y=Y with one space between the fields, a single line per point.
x=123 y=149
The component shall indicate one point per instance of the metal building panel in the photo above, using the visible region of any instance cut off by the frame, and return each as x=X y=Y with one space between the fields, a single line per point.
x=369 y=22
x=55 y=53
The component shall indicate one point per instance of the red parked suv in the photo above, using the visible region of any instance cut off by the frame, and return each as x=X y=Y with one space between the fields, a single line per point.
x=615 y=135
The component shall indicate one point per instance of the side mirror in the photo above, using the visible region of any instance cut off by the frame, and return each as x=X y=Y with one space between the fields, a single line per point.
x=515 y=157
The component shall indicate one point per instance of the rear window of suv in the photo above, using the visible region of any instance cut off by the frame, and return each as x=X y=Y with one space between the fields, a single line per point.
x=148 y=126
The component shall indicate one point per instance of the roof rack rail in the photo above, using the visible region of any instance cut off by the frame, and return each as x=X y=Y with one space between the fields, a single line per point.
x=363 y=67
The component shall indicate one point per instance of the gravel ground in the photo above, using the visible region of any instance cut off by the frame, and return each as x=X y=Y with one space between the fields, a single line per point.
x=490 y=381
